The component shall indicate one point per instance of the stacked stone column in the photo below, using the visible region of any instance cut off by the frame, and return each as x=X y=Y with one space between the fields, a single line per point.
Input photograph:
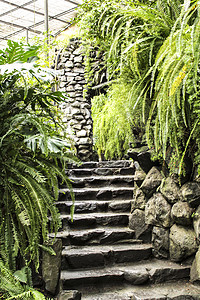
x=77 y=110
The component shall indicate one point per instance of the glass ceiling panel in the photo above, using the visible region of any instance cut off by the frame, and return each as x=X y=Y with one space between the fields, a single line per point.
x=17 y=17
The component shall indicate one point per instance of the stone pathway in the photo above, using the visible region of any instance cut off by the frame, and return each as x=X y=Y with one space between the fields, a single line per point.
x=101 y=257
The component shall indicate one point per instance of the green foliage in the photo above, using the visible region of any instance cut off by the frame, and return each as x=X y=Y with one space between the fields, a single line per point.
x=113 y=122
x=33 y=152
x=153 y=46
x=18 y=285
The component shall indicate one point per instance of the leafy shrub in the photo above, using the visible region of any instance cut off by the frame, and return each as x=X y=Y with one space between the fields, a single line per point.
x=33 y=154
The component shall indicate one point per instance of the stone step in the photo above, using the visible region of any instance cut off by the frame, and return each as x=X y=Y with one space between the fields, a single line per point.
x=103 y=164
x=138 y=273
x=178 y=290
x=100 y=171
x=101 y=255
x=97 y=236
x=102 y=181
x=106 y=193
x=94 y=220
x=91 y=206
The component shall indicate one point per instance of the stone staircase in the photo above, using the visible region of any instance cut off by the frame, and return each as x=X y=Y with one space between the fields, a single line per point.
x=101 y=257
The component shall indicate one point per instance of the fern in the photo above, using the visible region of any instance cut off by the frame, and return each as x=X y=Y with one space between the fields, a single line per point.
x=33 y=153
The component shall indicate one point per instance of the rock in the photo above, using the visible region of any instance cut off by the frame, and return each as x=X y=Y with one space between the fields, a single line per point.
x=69 y=64
x=196 y=223
x=152 y=181
x=79 y=70
x=139 y=199
x=51 y=267
x=181 y=213
x=170 y=190
x=191 y=193
x=158 y=211
x=78 y=87
x=84 y=141
x=139 y=177
x=160 y=242
x=182 y=243
x=78 y=59
x=82 y=133
x=104 y=194
x=143 y=156
x=136 y=277
x=69 y=295
x=137 y=223
x=120 y=206
x=195 y=269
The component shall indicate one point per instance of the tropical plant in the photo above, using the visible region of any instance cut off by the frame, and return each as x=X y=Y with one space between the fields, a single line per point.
x=33 y=152
x=18 y=285
x=154 y=47
x=113 y=122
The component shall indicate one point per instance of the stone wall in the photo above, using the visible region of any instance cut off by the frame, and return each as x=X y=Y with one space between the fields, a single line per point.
x=77 y=110
x=168 y=215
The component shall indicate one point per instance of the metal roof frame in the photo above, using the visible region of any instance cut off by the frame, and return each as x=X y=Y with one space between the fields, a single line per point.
x=13 y=15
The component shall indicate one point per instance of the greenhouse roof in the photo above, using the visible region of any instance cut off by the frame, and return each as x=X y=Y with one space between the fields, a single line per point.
x=26 y=18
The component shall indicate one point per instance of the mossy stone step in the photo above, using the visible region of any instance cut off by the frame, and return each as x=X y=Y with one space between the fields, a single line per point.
x=107 y=193
x=102 y=255
x=94 y=220
x=92 y=206
x=97 y=236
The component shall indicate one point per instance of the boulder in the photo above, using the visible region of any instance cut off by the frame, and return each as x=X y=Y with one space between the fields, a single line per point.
x=69 y=295
x=160 y=242
x=181 y=213
x=196 y=223
x=139 y=199
x=139 y=177
x=137 y=223
x=182 y=242
x=170 y=190
x=152 y=181
x=51 y=265
x=158 y=211
x=143 y=156
x=195 y=269
x=191 y=193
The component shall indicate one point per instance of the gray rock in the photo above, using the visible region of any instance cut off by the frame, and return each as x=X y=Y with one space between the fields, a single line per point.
x=195 y=269
x=160 y=242
x=158 y=211
x=120 y=206
x=69 y=64
x=75 y=111
x=170 y=190
x=84 y=141
x=137 y=223
x=152 y=181
x=191 y=193
x=136 y=276
x=70 y=88
x=182 y=243
x=196 y=223
x=139 y=177
x=139 y=199
x=82 y=133
x=78 y=87
x=51 y=267
x=79 y=70
x=69 y=295
x=70 y=78
x=78 y=59
x=181 y=213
